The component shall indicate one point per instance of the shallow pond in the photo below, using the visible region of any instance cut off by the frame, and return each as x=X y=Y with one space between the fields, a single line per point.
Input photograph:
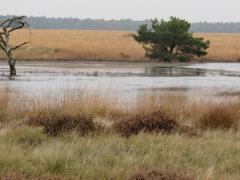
x=123 y=79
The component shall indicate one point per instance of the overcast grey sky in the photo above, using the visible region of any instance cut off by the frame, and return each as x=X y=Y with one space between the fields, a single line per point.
x=192 y=10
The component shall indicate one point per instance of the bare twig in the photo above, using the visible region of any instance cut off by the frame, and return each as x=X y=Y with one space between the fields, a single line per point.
x=12 y=20
x=20 y=45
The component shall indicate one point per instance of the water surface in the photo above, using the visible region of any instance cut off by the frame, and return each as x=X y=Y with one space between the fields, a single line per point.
x=124 y=79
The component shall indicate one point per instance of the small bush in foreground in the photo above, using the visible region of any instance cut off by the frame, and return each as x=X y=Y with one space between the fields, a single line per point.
x=159 y=175
x=55 y=122
x=218 y=117
x=154 y=122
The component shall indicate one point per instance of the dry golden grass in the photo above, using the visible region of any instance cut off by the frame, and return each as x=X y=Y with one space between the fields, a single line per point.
x=223 y=47
x=107 y=45
x=188 y=110
x=83 y=45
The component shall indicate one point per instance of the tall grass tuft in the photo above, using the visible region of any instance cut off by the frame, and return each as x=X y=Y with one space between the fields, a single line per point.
x=220 y=116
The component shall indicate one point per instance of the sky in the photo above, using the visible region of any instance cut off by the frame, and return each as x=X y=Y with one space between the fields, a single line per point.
x=191 y=10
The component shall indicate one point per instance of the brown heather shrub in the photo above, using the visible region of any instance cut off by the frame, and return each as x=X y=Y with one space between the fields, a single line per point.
x=159 y=175
x=57 y=121
x=219 y=117
x=154 y=122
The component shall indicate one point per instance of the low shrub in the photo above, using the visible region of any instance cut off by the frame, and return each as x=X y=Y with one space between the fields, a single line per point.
x=218 y=117
x=154 y=122
x=55 y=122
x=159 y=175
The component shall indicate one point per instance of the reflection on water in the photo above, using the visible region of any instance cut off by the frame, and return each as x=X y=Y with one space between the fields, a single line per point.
x=184 y=71
x=123 y=79
x=174 y=71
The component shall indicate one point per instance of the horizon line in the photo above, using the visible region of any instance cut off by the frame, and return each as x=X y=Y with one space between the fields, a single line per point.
x=116 y=19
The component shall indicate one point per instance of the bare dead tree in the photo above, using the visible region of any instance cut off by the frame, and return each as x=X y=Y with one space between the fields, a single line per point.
x=6 y=28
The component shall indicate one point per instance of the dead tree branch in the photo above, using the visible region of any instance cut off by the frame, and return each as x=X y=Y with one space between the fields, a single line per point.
x=20 y=45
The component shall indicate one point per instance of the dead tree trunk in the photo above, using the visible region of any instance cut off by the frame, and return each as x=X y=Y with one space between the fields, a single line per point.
x=7 y=27
x=12 y=64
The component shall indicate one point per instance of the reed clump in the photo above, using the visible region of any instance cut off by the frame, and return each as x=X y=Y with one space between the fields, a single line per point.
x=219 y=116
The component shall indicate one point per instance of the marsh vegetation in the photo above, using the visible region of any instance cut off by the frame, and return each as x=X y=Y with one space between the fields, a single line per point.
x=82 y=136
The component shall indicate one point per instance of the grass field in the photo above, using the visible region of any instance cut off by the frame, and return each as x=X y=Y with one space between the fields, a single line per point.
x=29 y=151
x=107 y=45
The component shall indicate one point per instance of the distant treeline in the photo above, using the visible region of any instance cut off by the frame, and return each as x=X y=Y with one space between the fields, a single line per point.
x=123 y=25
